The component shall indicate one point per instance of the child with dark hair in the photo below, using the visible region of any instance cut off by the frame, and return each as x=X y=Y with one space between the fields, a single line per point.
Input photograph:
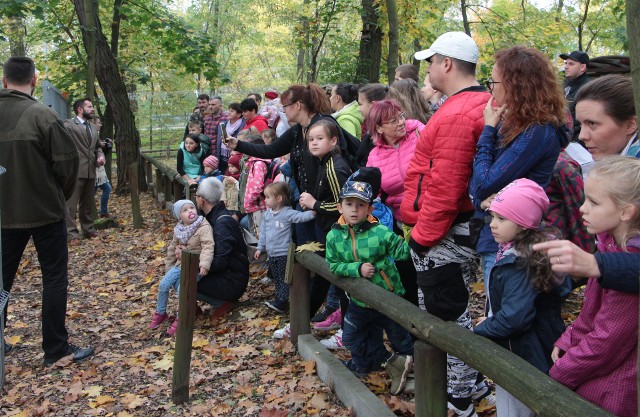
x=196 y=127
x=523 y=306
x=189 y=159
x=275 y=235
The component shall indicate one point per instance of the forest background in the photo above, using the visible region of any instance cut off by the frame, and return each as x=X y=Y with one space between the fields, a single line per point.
x=150 y=59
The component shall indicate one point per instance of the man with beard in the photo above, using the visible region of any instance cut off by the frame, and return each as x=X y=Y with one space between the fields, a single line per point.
x=85 y=137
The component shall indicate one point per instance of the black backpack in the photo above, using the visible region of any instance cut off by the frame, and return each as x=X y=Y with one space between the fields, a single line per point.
x=349 y=145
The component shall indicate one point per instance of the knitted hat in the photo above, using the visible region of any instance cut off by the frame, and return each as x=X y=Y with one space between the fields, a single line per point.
x=523 y=202
x=271 y=95
x=177 y=207
x=211 y=161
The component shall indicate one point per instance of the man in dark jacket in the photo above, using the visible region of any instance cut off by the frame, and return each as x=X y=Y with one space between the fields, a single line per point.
x=575 y=68
x=42 y=169
x=228 y=276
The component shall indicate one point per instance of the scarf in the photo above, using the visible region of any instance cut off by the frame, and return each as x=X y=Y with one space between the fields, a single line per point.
x=503 y=248
x=184 y=232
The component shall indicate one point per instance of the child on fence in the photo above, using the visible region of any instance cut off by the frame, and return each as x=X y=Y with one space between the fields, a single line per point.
x=196 y=127
x=192 y=232
x=523 y=306
x=358 y=246
x=275 y=235
x=189 y=159
x=597 y=355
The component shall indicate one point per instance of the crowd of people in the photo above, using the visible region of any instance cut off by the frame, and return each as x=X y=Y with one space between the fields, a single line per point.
x=414 y=189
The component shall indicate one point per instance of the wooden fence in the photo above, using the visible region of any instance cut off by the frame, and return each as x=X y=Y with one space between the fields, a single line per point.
x=165 y=182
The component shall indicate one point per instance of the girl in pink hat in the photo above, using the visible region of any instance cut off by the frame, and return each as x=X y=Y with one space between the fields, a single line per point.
x=523 y=305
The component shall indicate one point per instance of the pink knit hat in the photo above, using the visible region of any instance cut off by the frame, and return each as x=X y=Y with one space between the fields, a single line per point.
x=523 y=202
x=211 y=161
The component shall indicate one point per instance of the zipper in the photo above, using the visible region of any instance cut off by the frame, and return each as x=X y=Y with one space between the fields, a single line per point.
x=415 y=203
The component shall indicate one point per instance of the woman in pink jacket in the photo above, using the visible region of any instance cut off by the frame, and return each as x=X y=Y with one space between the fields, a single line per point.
x=394 y=140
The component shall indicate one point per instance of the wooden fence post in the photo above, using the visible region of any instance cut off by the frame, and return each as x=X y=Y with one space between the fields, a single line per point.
x=184 y=335
x=148 y=168
x=299 y=302
x=135 y=196
x=168 y=194
x=431 y=380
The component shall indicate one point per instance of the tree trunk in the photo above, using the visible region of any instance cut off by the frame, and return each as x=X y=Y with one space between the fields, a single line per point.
x=89 y=40
x=127 y=138
x=17 y=31
x=392 y=57
x=465 y=18
x=581 y=23
x=416 y=47
x=368 y=70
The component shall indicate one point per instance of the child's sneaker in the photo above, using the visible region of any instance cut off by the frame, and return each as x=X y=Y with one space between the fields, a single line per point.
x=334 y=342
x=483 y=395
x=323 y=314
x=278 y=306
x=398 y=367
x=171 y=331
x=461 y=407
x=283 y=333
x=158 y=319
x=331 y=323
x=352 y=367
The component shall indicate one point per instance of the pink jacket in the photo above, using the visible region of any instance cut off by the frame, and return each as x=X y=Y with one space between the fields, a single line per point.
x=601 y=346
x=393 y=163
x=254 y=192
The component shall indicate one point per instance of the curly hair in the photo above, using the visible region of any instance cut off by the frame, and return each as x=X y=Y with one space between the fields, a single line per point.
x=536 y=263
x=532 y=90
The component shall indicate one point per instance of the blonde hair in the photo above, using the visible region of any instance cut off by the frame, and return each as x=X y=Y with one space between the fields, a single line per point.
x=622 y=176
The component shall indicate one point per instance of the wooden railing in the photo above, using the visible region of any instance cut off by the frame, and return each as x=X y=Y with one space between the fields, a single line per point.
x=165 y=182
x=540 y=393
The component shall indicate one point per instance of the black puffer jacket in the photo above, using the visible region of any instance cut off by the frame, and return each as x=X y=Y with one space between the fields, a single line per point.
x=229 y=274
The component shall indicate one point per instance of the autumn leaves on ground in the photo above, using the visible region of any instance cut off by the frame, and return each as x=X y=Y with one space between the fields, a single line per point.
x=237 y=368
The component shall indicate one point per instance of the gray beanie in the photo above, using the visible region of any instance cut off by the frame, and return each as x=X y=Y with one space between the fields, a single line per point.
x=177 y=207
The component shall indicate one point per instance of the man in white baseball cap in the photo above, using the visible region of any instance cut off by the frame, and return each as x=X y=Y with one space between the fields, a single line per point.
x=436 y=207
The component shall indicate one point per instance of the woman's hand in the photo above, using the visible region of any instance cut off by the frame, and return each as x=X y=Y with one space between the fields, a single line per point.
x=486 y=203
x=556 y=353
x=231 y=142
x=307 y=201
x=492 y=115
x=567 y=258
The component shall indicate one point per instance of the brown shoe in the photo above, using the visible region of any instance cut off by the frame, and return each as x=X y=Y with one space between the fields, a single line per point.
x=91 y=235
x=74 y=242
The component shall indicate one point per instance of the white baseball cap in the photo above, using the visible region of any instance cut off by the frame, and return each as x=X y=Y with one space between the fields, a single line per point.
x=457 y=45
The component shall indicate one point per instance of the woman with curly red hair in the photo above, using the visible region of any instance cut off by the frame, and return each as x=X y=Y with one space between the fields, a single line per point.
x=523 y=135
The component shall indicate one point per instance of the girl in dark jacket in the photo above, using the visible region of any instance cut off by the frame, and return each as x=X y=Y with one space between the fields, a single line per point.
x=523 y=307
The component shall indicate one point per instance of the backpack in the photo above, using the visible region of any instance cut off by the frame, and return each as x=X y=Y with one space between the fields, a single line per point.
x=273 y=170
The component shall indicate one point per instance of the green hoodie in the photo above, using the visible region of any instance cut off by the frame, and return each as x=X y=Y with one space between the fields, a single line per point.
x=350 y=119
x=348 y=247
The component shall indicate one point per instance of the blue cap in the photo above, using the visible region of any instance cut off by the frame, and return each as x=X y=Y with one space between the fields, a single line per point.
x=357 y=189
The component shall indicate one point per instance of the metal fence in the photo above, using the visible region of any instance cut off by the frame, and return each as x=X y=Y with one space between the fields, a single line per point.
x=53 y=98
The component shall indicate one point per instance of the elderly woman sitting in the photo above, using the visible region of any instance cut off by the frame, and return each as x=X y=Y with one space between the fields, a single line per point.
x=229 y=274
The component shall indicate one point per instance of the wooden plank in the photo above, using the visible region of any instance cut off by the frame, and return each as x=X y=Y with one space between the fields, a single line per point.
x=430 y=370
x=299 y=303
x=288 y=273
x=351 y=391
x=135 y=196
x=184 y=335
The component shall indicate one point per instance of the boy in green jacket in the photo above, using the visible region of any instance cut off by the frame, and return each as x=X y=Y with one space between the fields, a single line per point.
x=358 y=246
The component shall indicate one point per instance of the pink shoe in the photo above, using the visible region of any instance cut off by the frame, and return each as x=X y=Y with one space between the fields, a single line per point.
x=157 y=320
x=332 y=322
x=171 y=331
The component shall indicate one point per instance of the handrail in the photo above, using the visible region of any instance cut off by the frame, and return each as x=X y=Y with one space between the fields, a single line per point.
x=540 y=393
x=168 y=186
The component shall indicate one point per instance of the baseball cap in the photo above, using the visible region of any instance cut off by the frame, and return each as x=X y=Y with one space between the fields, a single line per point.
x=457 y=45
x=578 y=56
x=357 y=189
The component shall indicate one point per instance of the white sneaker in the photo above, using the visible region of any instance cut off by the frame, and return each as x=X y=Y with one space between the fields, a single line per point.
x=283 y=333
x=334 y=342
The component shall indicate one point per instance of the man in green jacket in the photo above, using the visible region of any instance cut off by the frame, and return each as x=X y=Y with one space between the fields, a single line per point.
x=42 y=168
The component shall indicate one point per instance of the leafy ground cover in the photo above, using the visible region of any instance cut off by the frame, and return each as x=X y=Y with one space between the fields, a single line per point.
x=237 y=368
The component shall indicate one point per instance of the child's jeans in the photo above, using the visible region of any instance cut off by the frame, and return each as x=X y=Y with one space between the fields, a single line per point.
x=104 y=198
x=170 y=279
x=362 y=335
x=277 y=267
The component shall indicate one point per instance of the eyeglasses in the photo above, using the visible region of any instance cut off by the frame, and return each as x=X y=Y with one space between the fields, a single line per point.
x=490 y=83
x=284 y=106
x=400 y=119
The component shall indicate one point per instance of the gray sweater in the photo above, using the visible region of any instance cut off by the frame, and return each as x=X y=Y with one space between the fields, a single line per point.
x=275 y=229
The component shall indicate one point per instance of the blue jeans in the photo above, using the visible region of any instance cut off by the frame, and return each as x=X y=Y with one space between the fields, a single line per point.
x=362 y=335
x=488 y=260
x=104 y=198
x=170 y=280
